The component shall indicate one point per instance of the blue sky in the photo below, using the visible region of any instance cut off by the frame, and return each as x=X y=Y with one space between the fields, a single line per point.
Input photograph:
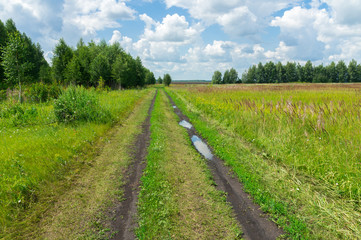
x=190 y=39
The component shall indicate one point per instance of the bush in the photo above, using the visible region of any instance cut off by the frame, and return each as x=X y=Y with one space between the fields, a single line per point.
x=37 y=92
x=2 y=95
x=54 y=91
x=79 y=104
x=19 y=114
x=40 y=92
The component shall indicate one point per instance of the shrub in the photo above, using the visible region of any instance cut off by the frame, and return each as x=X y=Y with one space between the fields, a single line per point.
x=2 y=95
x=79 y=104
x=54 y=91
x=40 y=92
x=37 y=92
x=18 y=114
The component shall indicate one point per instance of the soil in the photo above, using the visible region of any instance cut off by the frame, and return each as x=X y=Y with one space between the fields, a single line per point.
x=125 y=212
x=255 y=223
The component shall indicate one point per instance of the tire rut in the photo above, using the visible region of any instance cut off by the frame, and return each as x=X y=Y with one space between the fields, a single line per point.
x=255 y=223
x=124 y=222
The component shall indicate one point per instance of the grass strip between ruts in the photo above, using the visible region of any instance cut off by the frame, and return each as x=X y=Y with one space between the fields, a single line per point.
x=178 y=199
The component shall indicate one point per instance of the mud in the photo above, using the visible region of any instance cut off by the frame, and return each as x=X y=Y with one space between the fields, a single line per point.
x=125 y=222
x=255 y=223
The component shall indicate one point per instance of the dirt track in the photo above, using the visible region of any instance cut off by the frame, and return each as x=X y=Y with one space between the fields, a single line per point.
x=255 y=224
x=125 y=212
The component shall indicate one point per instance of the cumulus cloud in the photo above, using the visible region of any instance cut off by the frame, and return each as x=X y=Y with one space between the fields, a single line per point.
x=238 y=18
x=315 y=34
x=346 y=12
x=173 y=28
x=90 y=16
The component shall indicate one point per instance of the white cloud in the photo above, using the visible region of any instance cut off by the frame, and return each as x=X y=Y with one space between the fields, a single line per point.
x=90 y=16
x=346 y=12
x=238 y=18
x=315 y=34
x=173 y=28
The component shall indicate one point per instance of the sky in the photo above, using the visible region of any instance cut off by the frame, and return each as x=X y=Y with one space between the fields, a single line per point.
x=190 y=39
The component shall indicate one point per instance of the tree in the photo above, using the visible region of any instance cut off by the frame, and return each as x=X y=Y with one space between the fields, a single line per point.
x=270 y=72
x=140 y=73
x=159 y=80
x=217 y=77
x=308 y=72
x=15 y=62
x=342 y=72
x=167 y=79
x=281 y=75
x=99 y=68
x=291 y=72
x=352 y=71
x=149 y=78
x=226 y=77
x=260 y=73
x=3 y=40
x=332 y=72
x=62 y=56
x=233 y=76
x=11 y=27
x=73 y=72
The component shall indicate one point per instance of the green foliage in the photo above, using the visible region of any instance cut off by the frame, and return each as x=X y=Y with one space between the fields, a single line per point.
x=45 y=151
x=17 y=114
x=159 y=80
x=217 y=77
x=3 y=95
x=62 y=56
x=15 y=63
x=99 y=67
x=79 y=104
x=167 y=79
x=37 y=92
x=40 y=92
x=149 y=78
x=292 y=72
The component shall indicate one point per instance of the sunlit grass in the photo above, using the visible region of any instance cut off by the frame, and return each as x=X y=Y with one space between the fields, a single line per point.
x=39 y=149
x=317 y=131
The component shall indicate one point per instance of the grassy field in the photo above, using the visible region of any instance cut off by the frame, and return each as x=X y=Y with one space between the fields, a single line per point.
x=178 y=199
x=295 y=147
x=36 y=149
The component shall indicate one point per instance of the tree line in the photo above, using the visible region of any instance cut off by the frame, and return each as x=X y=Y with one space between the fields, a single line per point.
x=22 y=62
x=293 y=72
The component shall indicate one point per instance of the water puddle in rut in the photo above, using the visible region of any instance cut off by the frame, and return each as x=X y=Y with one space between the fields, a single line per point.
x=202 y=147
x=185 y=124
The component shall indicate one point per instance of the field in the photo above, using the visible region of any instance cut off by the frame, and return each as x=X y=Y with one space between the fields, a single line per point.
x=294 y=148
x=36 y=149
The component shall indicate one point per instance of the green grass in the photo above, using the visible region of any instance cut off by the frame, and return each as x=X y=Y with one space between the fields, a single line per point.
x=178 y=199
x=308 y=184
x=41 y=150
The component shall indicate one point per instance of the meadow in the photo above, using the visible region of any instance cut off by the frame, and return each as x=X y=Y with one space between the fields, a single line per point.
x=37 y=149
x=309 y=132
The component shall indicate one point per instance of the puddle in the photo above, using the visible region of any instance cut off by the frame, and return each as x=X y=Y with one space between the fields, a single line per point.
x=185 y=124
x=174 y=106
x=202 y=147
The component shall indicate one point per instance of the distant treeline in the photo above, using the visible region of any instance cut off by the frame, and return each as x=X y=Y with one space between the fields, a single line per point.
x=23 y=62
x=293 y=72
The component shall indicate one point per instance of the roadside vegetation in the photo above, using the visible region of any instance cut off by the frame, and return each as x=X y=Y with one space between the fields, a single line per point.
x=178 y=199
x=295 y=148
x=37 y=148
